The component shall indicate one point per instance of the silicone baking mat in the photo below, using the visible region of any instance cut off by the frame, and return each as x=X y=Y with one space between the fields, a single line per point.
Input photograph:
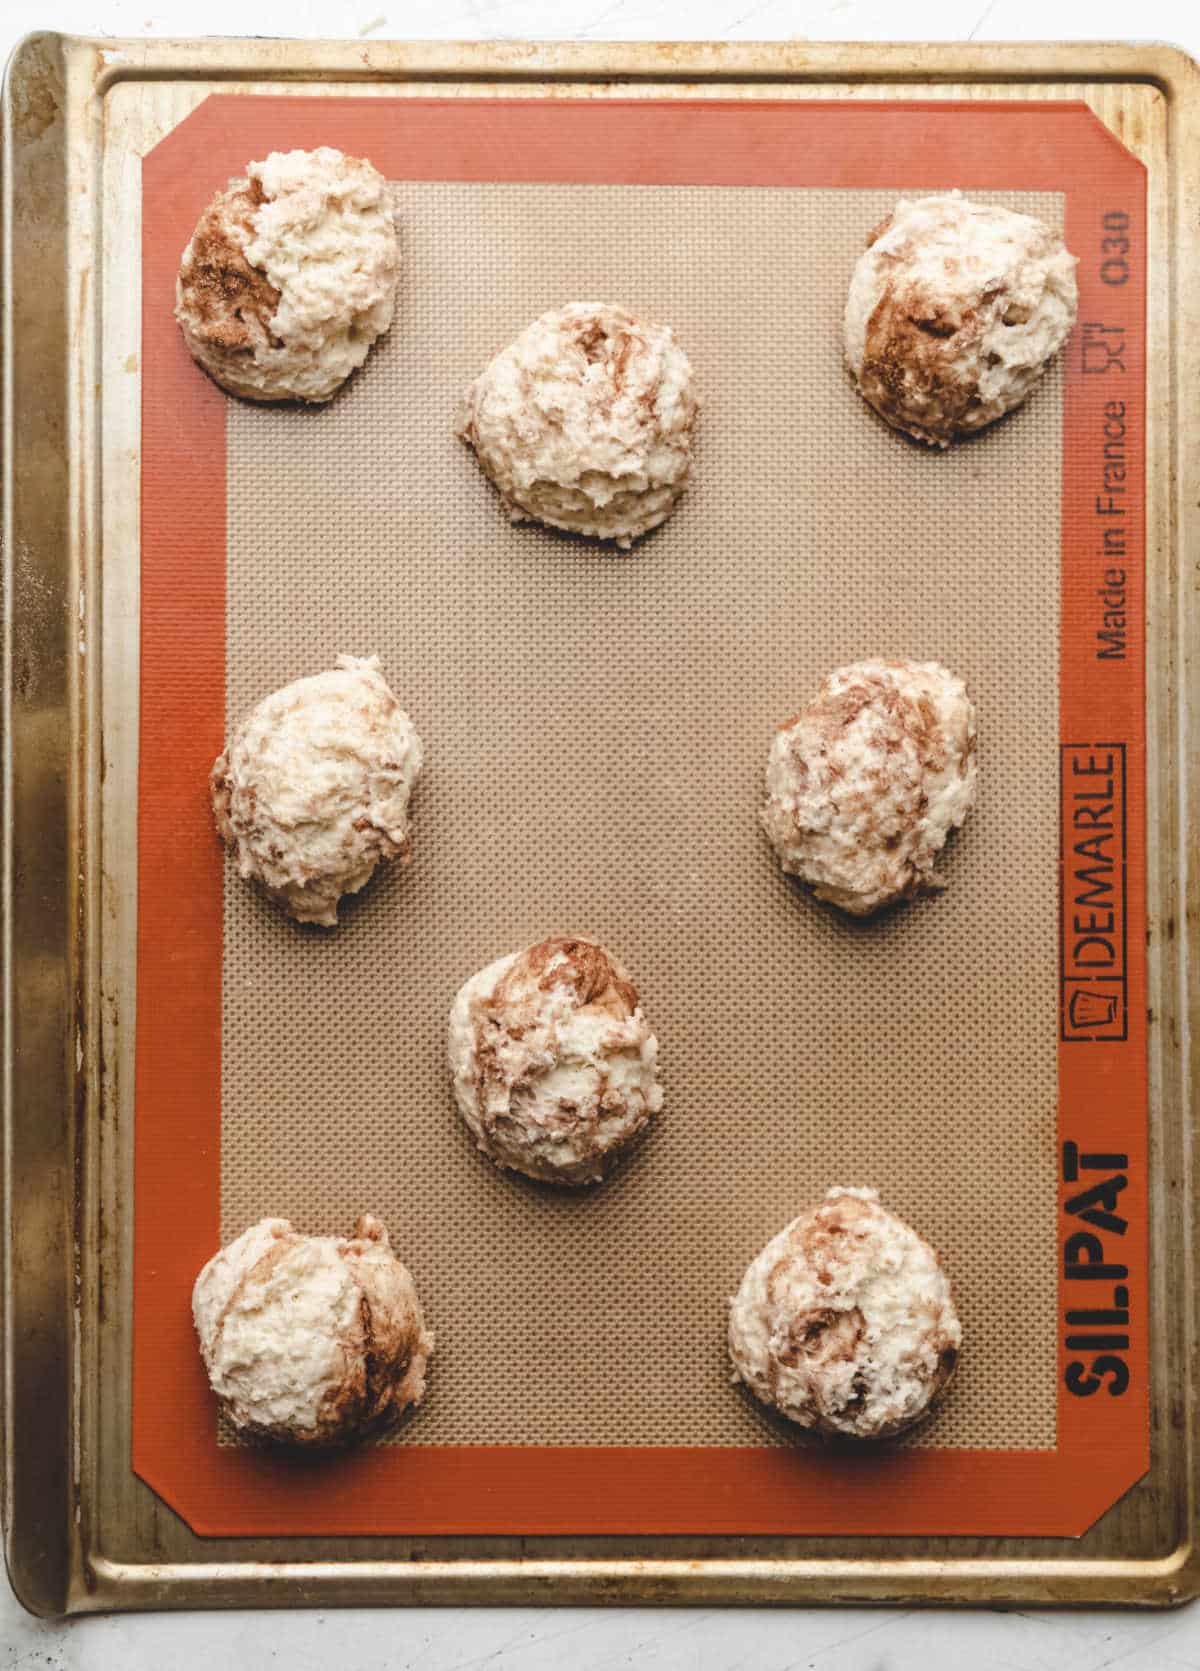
x=595 y=729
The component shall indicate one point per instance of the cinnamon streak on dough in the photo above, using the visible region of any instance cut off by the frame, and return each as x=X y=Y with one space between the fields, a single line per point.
x=844 y=1323
x=312 y=790
x=865 y=784
x=585 y=422
x=311 y=1340
x=555 y=1067
x=955 y=309
x=290 y=276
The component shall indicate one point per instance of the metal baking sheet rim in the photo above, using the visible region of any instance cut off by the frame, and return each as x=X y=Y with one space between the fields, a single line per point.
x=55 y=1008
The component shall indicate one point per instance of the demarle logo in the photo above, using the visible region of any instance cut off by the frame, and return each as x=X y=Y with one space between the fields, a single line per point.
x=1092 y=892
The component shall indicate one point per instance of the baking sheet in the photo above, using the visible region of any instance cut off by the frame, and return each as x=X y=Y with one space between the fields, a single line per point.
x=873 y=1559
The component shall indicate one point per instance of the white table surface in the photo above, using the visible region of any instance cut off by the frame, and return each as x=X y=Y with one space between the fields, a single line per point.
x=538 y=1639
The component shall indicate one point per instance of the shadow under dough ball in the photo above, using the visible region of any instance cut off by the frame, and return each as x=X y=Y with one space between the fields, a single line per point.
x=954 y=312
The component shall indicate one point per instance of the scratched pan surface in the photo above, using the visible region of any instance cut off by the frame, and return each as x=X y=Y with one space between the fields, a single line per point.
x=82 y=1531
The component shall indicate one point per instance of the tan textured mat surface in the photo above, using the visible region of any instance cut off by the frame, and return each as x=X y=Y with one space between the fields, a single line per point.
x=596 y=728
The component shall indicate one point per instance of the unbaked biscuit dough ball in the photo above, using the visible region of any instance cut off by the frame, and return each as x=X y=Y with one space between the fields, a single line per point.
x=290 y=276
x=311 y=1340
x=312 y=791
x=955 y=310
x=554 y=1064
x=864 y=785
x=845 y=1322
x=585 y=422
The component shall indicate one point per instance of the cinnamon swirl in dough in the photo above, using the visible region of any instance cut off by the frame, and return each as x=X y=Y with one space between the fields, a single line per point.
x=845 y=1322
x=312 y=791
x=865 y=784
x=554 y=1063
x=955 y=310
x=311 y=1340
x=290 y=276
x=585 y=422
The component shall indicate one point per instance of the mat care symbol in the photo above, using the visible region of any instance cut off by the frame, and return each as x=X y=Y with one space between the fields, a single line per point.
x=1091 y=1009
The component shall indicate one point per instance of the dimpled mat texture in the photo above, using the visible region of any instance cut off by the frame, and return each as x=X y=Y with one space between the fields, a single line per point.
x=596 y=728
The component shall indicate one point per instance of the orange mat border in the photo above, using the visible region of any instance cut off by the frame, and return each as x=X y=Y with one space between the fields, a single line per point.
x=1103 y=1440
